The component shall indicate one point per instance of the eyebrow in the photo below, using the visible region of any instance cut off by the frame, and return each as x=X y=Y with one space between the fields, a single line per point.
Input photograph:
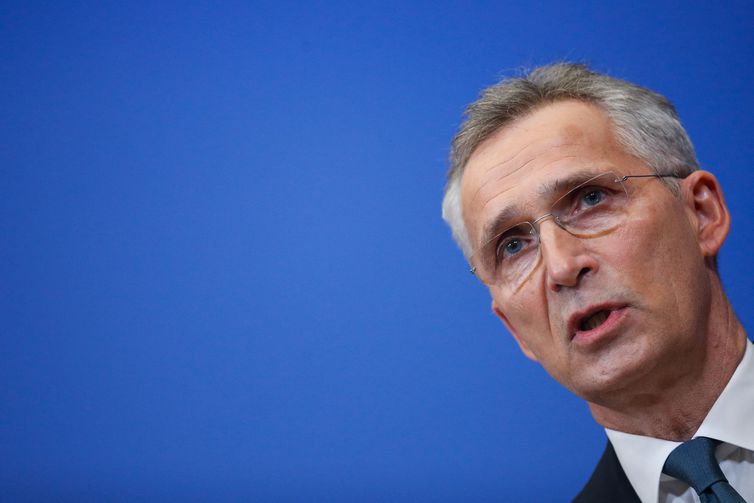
x=545 y=191
x=496 y=225
x=572 y=180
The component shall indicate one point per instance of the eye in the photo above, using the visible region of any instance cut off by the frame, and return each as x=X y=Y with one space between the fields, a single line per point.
x=593 y=196
x=511 y=246
x=593 y=206
x=586 y=200
x=514 y=244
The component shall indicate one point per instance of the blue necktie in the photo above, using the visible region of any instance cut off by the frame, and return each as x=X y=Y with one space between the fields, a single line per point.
x=694 y=463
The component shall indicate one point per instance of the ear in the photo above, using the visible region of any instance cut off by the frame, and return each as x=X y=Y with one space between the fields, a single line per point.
x=704 y=198
x=521 y=343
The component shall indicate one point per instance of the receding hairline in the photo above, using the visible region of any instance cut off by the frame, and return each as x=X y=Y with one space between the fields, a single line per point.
x=514 y=122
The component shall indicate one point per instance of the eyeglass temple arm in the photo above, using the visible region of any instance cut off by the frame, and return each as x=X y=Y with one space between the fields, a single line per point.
x=624 y=178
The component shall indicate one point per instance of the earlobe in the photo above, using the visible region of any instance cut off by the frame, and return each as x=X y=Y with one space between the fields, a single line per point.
x=521 y=343
x=705 y=199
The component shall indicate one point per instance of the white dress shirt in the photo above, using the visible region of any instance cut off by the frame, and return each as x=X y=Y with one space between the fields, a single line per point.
x=731 y=420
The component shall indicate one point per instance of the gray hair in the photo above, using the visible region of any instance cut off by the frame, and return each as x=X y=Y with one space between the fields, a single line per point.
x=646 y=125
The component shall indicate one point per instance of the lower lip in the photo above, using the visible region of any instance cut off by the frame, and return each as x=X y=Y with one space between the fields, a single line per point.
x=601 y=333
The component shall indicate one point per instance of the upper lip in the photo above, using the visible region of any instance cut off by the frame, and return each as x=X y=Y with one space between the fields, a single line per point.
x=574 y=321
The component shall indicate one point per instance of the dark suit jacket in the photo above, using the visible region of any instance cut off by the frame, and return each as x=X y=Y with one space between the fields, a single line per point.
x=608 y=483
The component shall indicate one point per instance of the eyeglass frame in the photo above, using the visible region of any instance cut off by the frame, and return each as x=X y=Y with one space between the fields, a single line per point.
x=621 y=179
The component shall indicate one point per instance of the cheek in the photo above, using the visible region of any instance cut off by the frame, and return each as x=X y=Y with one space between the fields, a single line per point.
x=634 y=250
x=643 y=240
x=669 y=242
x=660 y=256
x=527 y=312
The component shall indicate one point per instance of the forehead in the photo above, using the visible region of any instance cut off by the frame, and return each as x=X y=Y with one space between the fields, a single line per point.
x=507 y=169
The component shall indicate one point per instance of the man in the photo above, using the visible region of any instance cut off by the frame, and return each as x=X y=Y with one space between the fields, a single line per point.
x=577 y=199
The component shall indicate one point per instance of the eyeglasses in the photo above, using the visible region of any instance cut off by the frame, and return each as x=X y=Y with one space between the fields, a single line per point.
x=591 y=209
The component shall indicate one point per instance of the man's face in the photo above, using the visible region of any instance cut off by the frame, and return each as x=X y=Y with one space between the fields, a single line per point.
x=620 y=311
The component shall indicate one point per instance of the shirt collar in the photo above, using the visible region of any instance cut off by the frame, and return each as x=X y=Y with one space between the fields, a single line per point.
x=729 y=420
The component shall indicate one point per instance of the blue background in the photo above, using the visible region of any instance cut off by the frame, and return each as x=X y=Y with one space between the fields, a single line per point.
x=223 y=272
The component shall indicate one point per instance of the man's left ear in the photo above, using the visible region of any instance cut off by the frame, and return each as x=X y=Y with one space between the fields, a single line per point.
x=704 y=198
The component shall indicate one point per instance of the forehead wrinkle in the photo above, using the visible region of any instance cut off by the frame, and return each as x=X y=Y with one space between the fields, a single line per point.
x=551 y=146
x=484 y=185
x=499 y=164
x=542 y=191
x=542 y=149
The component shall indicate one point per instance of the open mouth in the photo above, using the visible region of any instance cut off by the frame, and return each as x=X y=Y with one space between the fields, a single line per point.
x=596 y=324
x=595 y=320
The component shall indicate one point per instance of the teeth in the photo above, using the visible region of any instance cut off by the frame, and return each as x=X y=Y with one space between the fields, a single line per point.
x=594 y=320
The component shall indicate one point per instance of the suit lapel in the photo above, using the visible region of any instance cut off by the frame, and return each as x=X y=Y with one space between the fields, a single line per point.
x=608 y=483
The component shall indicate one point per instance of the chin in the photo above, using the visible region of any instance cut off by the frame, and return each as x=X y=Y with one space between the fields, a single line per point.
x=608 y=380
x=600 y=391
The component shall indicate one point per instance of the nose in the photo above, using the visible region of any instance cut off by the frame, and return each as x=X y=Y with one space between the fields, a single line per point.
x=565 y=257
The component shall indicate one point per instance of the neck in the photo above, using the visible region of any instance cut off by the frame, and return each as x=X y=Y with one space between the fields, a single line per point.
x=673 y=409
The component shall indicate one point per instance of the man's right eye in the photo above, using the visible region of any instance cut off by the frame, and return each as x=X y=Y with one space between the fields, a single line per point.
x=510 y=246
